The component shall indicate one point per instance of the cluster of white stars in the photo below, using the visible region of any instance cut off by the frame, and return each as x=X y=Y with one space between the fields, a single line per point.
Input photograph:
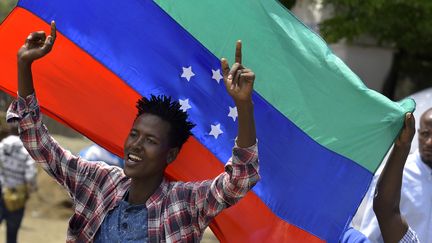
x=215 y=130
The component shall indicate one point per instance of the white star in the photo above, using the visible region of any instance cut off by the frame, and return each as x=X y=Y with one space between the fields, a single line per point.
x=216 y=75
x=184 y=105
x=187 y=73
x=215 y=131
x=233 y=113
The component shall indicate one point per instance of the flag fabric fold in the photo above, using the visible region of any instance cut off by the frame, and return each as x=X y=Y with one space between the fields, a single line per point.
x=321 y=132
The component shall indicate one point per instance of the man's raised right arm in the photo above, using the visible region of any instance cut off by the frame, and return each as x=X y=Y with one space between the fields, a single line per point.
x=57 y=162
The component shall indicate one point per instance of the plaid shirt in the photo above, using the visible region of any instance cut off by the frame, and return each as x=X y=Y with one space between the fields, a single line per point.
x=16 y=166
x=177 y=211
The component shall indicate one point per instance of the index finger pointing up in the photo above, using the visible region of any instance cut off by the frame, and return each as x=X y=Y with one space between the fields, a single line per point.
x=238 y=53
x=53 y=30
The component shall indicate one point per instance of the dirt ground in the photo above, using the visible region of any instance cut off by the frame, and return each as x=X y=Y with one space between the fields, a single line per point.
x=49 y=209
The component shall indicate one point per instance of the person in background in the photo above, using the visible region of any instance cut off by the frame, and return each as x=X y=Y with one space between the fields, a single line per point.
x=17 y=179
x=4 y=127
x=416 y=193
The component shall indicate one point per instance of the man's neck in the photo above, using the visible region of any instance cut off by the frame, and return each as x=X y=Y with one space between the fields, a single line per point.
x=141 y=190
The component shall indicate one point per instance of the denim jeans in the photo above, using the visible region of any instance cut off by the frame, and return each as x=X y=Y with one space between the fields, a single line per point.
x=13 y=221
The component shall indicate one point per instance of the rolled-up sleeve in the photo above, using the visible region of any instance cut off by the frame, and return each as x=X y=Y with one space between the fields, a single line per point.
x=26 y=112
x=241 y=174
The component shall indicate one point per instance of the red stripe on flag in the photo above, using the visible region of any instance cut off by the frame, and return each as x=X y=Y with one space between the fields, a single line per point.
x=76 y=90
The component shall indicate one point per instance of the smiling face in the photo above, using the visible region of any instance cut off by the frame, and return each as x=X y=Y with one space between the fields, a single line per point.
x=147 y=148
x=425 y=138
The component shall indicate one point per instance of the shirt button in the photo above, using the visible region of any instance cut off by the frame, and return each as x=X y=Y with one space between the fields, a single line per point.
x=124 y=225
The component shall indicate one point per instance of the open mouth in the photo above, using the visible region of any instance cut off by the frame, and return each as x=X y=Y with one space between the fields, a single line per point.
x=134 y=158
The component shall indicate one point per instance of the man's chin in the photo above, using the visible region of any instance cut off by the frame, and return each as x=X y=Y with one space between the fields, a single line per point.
x=129 y=172
x=427 y=159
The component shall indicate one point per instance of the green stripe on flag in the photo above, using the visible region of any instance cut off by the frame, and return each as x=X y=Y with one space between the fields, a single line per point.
x=298 y=74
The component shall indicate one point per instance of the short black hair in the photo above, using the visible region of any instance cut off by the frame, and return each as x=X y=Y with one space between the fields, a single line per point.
x=168 y=110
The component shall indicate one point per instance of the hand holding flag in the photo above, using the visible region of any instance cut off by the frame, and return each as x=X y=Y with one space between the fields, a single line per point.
x=407 y=133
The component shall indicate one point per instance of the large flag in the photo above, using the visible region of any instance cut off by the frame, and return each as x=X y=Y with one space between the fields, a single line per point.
x=321 y=132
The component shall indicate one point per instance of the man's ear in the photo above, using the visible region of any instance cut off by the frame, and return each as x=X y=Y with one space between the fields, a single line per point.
x=172 y=155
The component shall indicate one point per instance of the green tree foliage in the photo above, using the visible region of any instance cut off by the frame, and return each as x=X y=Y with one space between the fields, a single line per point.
x=288 y=3
x=5 y=7
x=404 y=24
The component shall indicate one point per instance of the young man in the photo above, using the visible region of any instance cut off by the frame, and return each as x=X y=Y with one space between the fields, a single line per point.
x=139 y=204
x=393 y=226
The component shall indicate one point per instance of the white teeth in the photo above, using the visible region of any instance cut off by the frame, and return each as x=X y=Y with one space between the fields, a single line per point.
x=134 y=157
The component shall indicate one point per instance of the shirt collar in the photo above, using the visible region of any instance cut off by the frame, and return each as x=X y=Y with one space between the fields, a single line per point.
x=159 y=194
x=123 y=188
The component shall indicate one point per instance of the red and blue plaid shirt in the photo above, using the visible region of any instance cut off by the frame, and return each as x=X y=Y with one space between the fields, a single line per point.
x=177 y=211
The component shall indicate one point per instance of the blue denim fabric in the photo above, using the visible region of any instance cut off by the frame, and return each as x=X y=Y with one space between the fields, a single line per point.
x=13 y=221
x=125 y=223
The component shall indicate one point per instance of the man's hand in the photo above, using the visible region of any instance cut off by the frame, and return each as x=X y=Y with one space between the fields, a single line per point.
x=37 y=45
x=388 y=190
x=407 y=133
x=239 y=84
x=238 y=80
